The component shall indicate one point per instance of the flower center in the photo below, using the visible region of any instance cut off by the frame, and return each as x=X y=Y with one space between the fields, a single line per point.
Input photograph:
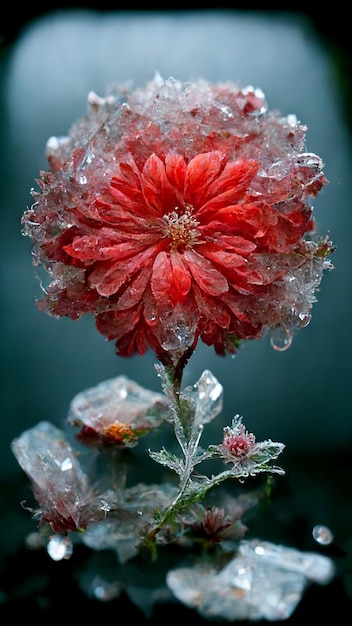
x=181 y=229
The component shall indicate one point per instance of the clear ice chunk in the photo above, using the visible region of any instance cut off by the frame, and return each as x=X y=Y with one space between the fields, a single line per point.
x=207 y=395
x=66 y=498
x=59 y=548
x=263 y=581
x=47 y=458
x=117 y=399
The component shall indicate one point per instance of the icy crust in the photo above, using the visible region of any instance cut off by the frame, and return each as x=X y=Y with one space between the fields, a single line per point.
x=194 y=118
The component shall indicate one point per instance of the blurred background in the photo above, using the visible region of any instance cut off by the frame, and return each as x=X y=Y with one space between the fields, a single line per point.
x=49 y=61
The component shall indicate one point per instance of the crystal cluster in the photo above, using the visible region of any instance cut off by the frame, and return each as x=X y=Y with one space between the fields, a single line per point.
x=117 y=411
x=263 y=581
x=242 y=580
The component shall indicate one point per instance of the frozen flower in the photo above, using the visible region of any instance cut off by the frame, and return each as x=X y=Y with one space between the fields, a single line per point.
x=67 y=500
x=248 y=457
x=117 y=412
x=213 y=525
x=180 y=214
x=237 y=442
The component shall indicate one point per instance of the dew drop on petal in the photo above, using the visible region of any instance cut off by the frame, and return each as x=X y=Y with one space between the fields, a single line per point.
x=322 y=535
x=59 y=548
x=304 y=318
x=281 y=339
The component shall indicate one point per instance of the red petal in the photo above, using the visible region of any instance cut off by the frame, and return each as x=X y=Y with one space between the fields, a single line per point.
x=115 y=324
x=160 y=281
x=157 y=191
x=225 y=258
x=201 y=172
x=135 y=290
x=209 y=309
x=235 y=176
x=180 y=277
x=175 y=167
x=93 y=248
x=205 y=275
x=107 y=278
x=171 y=280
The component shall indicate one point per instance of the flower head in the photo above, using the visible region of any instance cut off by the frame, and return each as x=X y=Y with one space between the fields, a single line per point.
x=237 y=442
x=213 y=525
x=67 y=499
x=181 y=213
x=247 y=456
x=117 y=412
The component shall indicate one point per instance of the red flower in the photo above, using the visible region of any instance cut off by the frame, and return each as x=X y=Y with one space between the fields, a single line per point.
x=238 y=442
x=181 y=214
x=116 y=412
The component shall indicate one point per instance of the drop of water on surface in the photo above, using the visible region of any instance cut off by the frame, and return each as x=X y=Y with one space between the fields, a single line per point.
x=34 y=541
x=105 y=591
x=59 y=548
x=304 y=318
x=281 y=339
x=323 y=535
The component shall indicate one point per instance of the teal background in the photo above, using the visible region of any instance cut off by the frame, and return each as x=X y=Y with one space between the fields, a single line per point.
x=49 y=62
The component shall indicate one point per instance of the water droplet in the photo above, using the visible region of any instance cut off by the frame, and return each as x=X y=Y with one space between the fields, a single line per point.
x=304 y=318
x=178 y=337
x=34 y=541
x=323 y=535
x=59 y=548
x=309 y=159
x=105 y=591
x=281 y=339
x=292 y=120
x=54 y=145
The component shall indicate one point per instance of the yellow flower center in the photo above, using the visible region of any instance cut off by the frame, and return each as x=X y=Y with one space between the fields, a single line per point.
x=182 y=229
x=119 y=432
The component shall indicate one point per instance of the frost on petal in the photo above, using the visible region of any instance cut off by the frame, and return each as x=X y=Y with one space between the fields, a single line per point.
x=180 y=195
x=46 y=443
x=62 y=489
x=123 y=530
x=207 y=277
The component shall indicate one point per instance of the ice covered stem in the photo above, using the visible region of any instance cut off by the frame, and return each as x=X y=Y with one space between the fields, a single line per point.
x=190 y=410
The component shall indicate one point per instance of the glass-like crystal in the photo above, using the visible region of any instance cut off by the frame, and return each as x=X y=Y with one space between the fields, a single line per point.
x=117 y=399
x=264 y=581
